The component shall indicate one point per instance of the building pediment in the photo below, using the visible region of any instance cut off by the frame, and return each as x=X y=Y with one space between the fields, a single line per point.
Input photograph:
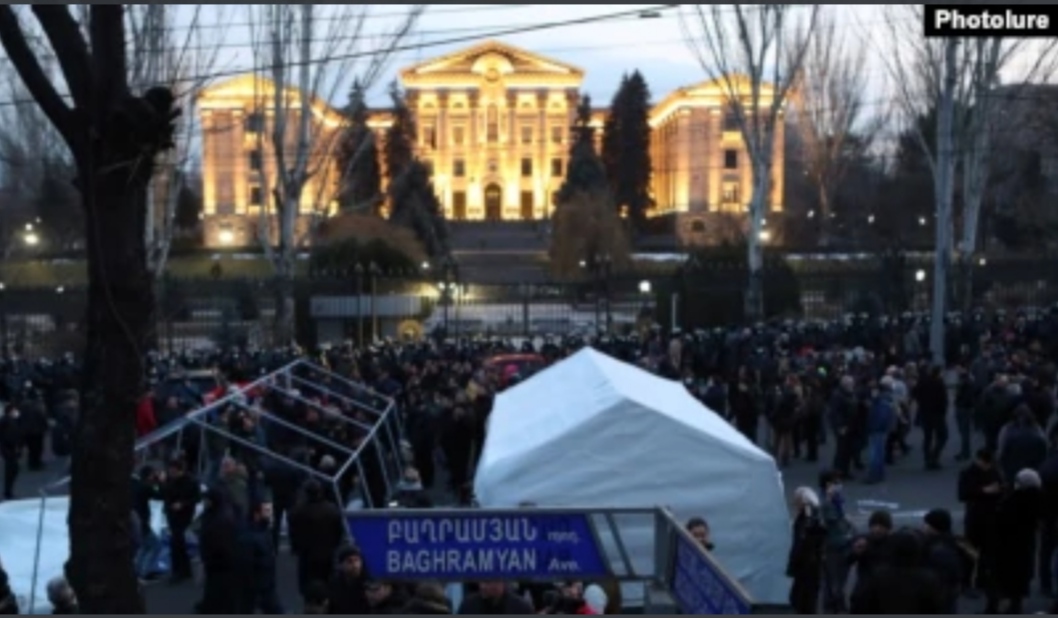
x=237 y=91
x=490 y=60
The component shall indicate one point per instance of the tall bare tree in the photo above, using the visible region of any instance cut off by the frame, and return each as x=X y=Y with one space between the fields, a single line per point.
x=35 y=164
x=303 y=58
x=986 y=59
x=113 y=137
x=827 y=105
x=955 y=78
x=754 y=52
x=181 y=58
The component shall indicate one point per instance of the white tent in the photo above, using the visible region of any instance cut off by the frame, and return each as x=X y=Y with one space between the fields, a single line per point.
x=18 y=540
x=592 y=431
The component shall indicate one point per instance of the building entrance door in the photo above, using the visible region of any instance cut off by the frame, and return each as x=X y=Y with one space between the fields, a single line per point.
x=493 y=203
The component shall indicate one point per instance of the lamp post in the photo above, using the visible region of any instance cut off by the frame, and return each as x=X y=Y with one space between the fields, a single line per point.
x=359 y=271
x=606 y=268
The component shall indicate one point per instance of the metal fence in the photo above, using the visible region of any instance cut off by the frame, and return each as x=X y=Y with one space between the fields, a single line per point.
x=195 y=314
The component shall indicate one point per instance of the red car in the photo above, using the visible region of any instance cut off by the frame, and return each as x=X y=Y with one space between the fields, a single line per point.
x=523 y=365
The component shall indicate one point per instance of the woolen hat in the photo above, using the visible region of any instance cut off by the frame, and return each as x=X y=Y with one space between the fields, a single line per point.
x=939 y=520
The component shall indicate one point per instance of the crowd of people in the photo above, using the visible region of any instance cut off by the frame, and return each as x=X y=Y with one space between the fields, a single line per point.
x=867 y=384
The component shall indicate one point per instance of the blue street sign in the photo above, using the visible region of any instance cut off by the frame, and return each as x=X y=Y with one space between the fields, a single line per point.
x=477 y=545
x=699 y=587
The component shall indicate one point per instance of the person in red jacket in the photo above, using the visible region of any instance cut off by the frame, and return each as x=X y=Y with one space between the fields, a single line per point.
x=146 y=422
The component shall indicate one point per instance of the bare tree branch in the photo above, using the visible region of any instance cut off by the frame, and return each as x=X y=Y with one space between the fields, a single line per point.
x=754 y=53
x=827 y=105
x=302 y=60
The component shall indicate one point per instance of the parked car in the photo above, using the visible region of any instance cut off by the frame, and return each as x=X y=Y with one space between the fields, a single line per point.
x=509 y=365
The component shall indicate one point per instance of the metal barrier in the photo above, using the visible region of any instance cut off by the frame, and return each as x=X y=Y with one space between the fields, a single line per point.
x=540 y=544
x=242 y=425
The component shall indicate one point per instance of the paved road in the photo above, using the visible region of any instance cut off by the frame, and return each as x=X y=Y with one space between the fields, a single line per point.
x=909 y=491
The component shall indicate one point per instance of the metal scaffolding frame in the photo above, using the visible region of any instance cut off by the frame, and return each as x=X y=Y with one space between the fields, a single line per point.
x=383 y=432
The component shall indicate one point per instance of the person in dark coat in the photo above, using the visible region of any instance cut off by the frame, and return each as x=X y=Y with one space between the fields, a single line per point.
x=1017 y=522
x=872 y=552
x=942 y=555
x=385 y=598
x=346 y=589
x=805 y=563
x=181 y=494
x=1022 y=444
x=218 y=545
x=494 y=598
x=1049 y=517
x=980 y=489
x=903 y=586
x=256 y=588
x=284 y=480
x=317 y=530
x=429 y=599
x=11 y=445
x=931 y=395
x=34 y=429
x=8 y=601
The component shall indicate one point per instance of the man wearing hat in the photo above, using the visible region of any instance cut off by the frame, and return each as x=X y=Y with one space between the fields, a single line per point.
x=943 y=556
x=346 y=590
x=257 y=557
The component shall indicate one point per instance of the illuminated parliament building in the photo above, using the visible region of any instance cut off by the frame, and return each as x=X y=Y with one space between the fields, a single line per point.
x=493 y=123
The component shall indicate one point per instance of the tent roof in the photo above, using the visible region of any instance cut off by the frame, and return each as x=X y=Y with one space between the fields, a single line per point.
x=591 y=386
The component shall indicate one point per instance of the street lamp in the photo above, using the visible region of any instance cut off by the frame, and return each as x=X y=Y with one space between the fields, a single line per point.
x=920 y=275
x=644 y=287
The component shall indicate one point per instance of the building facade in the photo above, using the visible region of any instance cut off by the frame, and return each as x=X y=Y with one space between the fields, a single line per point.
x=239 y=161
x=494 y=124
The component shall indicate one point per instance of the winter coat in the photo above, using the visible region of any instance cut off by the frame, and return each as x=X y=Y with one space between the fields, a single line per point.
x=1017 y=523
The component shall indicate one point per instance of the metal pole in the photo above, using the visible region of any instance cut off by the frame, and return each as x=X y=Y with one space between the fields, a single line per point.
x=359 y=308
x=362 y=485
x=374 y=309
x=673 y=313
x=36 y=553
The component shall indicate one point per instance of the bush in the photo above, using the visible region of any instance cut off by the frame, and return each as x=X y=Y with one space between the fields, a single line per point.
x=367 y=228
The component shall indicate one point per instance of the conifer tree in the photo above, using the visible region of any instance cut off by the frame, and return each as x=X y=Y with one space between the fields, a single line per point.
x=357 y=159
x=626 y=147
x=399 y=150
x=585 y=172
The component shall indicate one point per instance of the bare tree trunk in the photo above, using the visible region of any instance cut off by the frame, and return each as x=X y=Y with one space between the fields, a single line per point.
x=754 y=302
x=120 y=319
x=113 y=138
x=944 y=193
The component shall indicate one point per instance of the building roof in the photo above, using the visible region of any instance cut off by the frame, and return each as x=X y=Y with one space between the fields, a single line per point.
x=249 y=86
x=710 y=93
x=483 y=59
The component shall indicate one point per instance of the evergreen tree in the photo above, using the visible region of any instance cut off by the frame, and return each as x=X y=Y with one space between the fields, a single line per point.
x=188 y=207
x=360 y=176
x=626 y=147
x=611 y=136
x=414 y=205
x=399 y=149
x=585 y=172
